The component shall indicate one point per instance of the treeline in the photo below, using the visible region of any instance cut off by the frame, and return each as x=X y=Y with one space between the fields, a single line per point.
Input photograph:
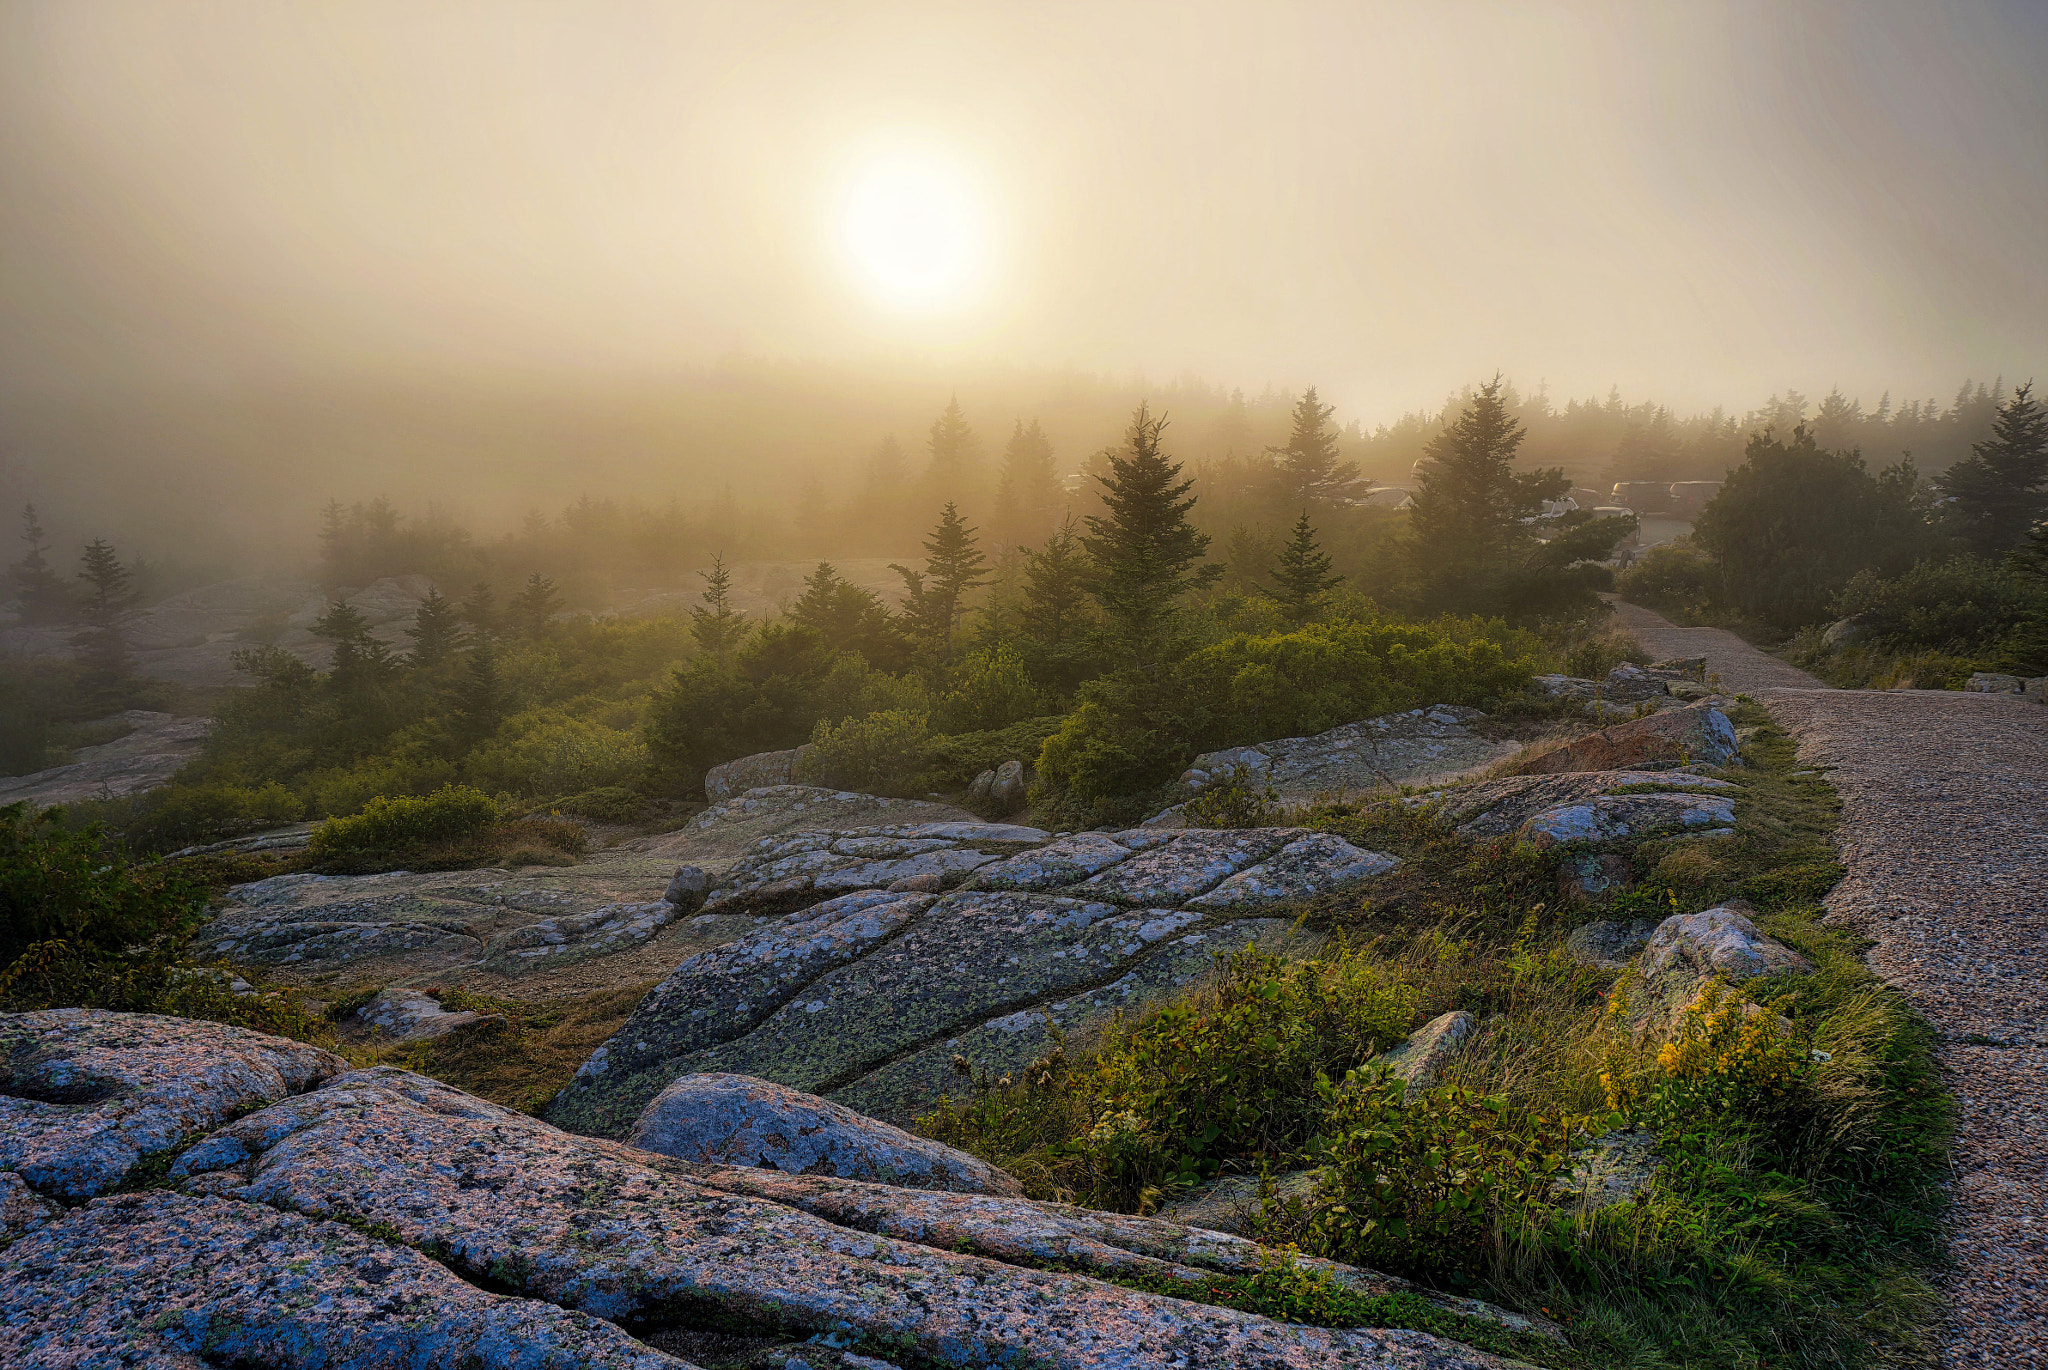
x=1929 y=579
x=1108 y=653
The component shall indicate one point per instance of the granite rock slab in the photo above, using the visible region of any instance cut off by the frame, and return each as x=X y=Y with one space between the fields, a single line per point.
x=738 y=1120
x=88 y=1094
x=165 y=1280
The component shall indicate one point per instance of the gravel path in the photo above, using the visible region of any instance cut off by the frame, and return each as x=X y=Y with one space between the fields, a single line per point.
x=1742 y=668
x=1945 y=833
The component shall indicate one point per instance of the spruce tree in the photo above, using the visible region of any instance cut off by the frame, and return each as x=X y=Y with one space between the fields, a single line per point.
x=41 y=591
x=845 y=617
x=1302 y=574
x=479 y=697
x=436 y=628
x=533 y=606
x=359 y=658
x=1309 y=471
x=954 y=451
x=109 y=592
x=934 y=598
x=717 y=627
x=1052 y=612
x=1029 y=496
x=1466 y=536
x=1999 y=492
x=1145 y=552
x=480 y=609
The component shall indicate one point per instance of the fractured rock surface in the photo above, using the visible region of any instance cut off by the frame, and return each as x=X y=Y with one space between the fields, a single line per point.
x=1589 y=805
x=869 y=996
x=738 y=1120
x=628 y=1236
x=86 y=1095
x=1698 y=733
x=164 y=1280
x=150 y=754
x=1374 y=755
x=410 y=1016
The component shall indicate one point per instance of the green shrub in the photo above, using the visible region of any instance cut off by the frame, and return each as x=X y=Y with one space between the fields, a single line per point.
x=1428 y=1186
x=1235 y=801
x=1133 y=731
x=408 y=821
x=1594 y=657
x=1678 y=577
x=76 y=886
x=951 y=762
x=991 y=690
x=180 y=815
x=879 y=754
x=611 y=804
x=547 y=751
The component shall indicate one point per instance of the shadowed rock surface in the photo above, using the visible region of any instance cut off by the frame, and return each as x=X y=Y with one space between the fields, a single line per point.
x=163 y=1280
x=868 y=996
x=146 y=757
x=88 y=1095
x=738 y=1120
x=1367 y=757
x=1598 y=801
x=631 y=1237
x=1695 y=733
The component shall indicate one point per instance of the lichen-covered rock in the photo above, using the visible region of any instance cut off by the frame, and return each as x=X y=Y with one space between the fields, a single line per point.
x=21 y=1208
x=1996 y=683
x=626 y=1235
x=738 y=1120
x=1006 y=788
x=1698 y=732
x=969 y=958
x=1373 y=755
x=163 y=1280
x=688 y=888
x=1721 y=941
x=1612 y=1168
x=1311 y=865
x=1063 y=862
x=1429 y=1048
x=718 y=995
x=1231 y=1203
x=408 y=1016
x=1175 y=866
x=907 y=1086
x=1610 y=944
x=88 y=1094
x=776 y=808
x=1610 y=818
x=800 y=868
x=1494 y=808
x=754 y=772
x=575 y=936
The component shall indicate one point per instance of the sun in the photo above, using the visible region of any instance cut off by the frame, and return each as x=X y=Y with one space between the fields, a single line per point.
x=914 y=230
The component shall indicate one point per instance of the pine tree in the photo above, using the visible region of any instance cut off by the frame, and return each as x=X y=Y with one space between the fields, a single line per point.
x=533 y=606
x=359 y=658
x=480 y=609
x=954 y=450
x=1309 y=470
x=479 y=697
x=436 y=628
x=1999 y=492
x=41 y=591
x=109 y=592
x=844 y=616
x=718 y=628
x=1144 y=550
x=1029 y=496
x=1465 y=532
x=1052 y=612
x=1302 y=574
x=934 y=598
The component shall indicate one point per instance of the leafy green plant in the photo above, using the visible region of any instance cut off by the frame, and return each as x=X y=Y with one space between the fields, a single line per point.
x=408 y=820
x=76 y=886
x=1235 y=801
x=878 y=754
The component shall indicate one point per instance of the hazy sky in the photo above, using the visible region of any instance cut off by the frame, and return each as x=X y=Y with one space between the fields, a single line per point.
x=1699 y=202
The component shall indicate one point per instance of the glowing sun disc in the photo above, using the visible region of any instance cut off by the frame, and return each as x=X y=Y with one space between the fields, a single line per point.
x=913 y=230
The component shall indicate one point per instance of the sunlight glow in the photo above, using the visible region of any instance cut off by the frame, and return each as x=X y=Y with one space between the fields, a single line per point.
x=914 y=231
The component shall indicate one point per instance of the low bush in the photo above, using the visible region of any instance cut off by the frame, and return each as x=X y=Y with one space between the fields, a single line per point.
x=1676 y=578
x=76 y=886
x=1238 y=800
x=610 y=804
x=408 y=821
x=882 y=753
x=953 y=760
x=195 y=815
x=991 y=690
x=549 y=752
